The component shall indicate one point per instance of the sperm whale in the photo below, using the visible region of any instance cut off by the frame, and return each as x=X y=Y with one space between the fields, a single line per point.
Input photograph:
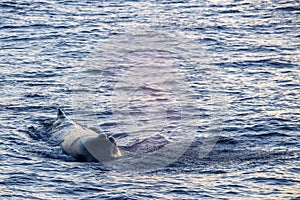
x=82 y=143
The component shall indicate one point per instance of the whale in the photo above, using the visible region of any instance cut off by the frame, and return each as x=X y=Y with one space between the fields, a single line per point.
x=81 y=142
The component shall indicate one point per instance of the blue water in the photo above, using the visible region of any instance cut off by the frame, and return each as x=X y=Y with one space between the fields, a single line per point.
x=219 y=79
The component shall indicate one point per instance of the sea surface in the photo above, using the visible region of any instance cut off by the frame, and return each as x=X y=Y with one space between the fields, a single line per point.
x=218 y=80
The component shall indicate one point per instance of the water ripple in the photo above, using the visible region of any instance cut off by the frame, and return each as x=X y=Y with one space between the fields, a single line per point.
x=245 y=53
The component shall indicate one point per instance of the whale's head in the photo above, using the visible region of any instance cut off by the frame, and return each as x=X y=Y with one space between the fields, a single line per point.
x=101 y=147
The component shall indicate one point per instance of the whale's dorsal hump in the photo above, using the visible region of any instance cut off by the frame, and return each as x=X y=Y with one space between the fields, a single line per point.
x=60 y=114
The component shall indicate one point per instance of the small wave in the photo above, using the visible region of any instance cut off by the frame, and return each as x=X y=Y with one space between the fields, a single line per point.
x=35 y=95
x=274 y=181
x=229 y=11
x=227 y=140
x=20 y=108
x=261 y=63
x=271 y=134
x=288 y=8
x=8 y=5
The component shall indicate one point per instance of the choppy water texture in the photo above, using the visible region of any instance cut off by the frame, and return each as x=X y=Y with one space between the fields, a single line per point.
x=220 y=79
